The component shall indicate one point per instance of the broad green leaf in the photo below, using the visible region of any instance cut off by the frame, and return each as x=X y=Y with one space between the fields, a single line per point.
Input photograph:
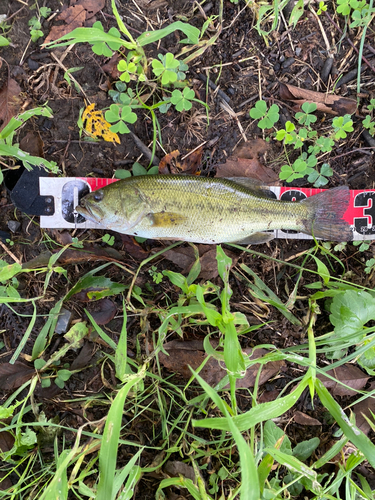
x=272 y=433
x=304 y=450
x=350 y=311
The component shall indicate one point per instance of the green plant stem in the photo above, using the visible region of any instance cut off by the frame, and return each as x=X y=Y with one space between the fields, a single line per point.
x=314 y=308
x=360 y=54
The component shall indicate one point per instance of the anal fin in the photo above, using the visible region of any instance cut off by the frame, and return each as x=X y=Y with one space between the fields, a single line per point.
x=256 y=238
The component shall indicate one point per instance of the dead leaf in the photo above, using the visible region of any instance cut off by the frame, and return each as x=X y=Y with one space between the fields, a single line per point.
x=245 y=162
x=110 y=67
x=174 y=468
x=32 y=143
x=84 y=357
x=349 y=375
x=9 y=101
x=268 y=396
x=327 y=103
x=191 y=353
x=6 y=441
x=102 y=310
x=13 y=376
x=74 y=17
x=184 y=258
x=254 y=148
x=365 y=408
x=208 y=262
x=6 y=444
x=96 y=125
x=76 y=256
x=189 y=166
x=92 y=7
x=132 y=247
x=168 y=164
x=303 y=419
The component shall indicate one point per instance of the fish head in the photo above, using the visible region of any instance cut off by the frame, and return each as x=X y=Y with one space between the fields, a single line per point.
x=118 y=206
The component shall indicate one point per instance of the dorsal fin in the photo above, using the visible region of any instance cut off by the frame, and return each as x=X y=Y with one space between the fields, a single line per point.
x=253 y=184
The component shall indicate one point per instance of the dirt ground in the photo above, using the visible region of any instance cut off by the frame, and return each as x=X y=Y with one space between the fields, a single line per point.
x=240 y=63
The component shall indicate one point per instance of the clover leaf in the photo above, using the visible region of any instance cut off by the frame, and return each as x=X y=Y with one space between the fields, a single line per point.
x=181 y=100
x=342 y=125
x=104 y=48
x=167 y=68
x=268 y=118
x=120 y=115
x=128 y=70
x=306 y=118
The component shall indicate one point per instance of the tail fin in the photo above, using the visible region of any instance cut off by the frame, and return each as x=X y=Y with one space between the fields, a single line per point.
x=327 y=210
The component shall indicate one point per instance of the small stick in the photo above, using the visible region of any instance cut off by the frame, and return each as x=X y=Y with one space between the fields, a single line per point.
x=11 y=254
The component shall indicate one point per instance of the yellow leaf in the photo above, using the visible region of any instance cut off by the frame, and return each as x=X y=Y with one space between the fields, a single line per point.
x=96 y=125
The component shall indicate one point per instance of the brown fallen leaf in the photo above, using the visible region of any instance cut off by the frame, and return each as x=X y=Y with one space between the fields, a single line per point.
x=349 y=375
x=303 y=419
x=76 y=256
x=132 y=247
x=364 y=409
x=174 y=468
x=110 y=67
x=102 y=310
x=84 y=357
x=6 y=444
x=32 y=143
x=327 y=103
x=190 y=165
x=184 y=258
x=246 y=162
x=9 y=101
x=74 y=16
x=13 y=376
x=190 y=353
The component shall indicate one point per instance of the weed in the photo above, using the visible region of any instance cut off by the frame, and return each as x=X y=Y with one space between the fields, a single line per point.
x=156 y=276
x=35 y=23
x=303 y=137
x=107 y=238
x=7 y=148
x=134 y=66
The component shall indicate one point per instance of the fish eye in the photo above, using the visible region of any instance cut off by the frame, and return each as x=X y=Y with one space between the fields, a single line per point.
x=98 y=195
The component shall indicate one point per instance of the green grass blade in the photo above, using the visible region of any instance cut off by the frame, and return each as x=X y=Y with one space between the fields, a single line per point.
x=249 y=475
x=260 y=413
x=111 y=434
x=121 y=350
x=355 y=436
x=25 y=337
x=154 y=36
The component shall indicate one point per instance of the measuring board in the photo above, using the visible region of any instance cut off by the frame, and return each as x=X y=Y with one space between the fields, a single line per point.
x=63 y=194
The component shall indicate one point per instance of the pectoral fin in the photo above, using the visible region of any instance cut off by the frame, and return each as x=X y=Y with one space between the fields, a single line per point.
x=166 y=219
x=256 y=238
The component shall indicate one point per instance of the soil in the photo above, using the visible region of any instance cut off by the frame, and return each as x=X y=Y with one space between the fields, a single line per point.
x=240 y=63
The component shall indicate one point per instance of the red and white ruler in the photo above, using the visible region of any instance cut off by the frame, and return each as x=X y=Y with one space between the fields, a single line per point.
x=66 y=193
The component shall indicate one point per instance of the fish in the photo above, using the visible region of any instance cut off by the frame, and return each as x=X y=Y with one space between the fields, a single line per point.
x=212 y=210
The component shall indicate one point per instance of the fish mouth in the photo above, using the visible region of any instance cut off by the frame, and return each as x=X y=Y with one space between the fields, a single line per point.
x=94 y=214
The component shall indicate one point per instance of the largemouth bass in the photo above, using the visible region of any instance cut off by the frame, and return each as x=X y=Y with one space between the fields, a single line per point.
x=212 y=210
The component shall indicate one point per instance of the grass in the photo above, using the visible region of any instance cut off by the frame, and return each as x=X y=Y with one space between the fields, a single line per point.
x=193 y=423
